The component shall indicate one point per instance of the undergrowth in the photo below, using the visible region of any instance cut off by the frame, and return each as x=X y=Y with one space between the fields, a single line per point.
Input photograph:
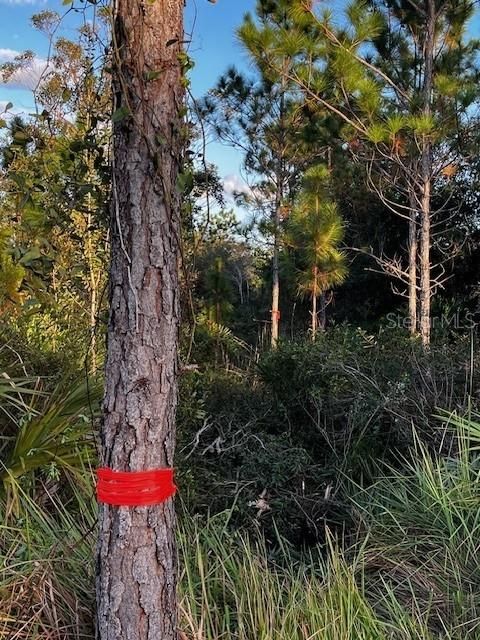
x=411 y=574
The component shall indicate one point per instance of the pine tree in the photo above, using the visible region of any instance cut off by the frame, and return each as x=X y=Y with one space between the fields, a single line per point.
x=424 y=51
x=316 y=232
x=402 y=78
x=261 y=117
x=136 y=560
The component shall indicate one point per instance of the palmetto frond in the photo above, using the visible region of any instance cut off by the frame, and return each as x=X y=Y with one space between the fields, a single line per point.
x=58 y=432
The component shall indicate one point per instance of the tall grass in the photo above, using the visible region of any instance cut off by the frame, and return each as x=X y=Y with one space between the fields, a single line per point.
x=413 y=573
x=46 y=575
x=232 y=588
x=424 y=539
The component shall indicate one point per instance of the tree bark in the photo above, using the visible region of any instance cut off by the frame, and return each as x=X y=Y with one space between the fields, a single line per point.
x=412 y=266
x=425 y=285
x=426 y=177
x=136 y=559
x=280 y=173
x=277 y=219
x=314 y=303
x=276 y=278
x=314 y=317
x=323 y=312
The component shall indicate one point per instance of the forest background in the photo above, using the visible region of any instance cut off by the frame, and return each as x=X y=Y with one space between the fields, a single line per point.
x=329 y=388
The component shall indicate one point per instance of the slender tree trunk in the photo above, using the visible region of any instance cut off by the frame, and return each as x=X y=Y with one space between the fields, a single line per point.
x=425 y=285
x=323 y=312
x=276 y=272
x=136 y=566
x=292 y=320
x=314 y=304
x=277 y=222
x=93 y=285
x=94 y=274
x=426 y=176
x=314 y=317
x=412 y=265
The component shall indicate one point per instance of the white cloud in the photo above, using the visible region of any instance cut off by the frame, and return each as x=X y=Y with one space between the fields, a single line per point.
x=26 y=77
x=233 y=184
x=8 y=54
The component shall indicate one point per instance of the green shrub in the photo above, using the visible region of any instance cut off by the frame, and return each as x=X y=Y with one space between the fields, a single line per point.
x=309 y=416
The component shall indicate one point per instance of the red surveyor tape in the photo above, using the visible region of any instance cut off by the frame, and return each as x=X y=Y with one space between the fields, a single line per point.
x=134 y=488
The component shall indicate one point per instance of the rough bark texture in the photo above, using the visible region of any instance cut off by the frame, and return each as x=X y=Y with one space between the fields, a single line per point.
x=136 y=566
x=426 y=177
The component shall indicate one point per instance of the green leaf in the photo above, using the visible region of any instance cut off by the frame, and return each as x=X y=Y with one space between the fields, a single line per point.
x=152 y=75
x=120 y=114
x=185 y=182
x=32 y=254
x=376 y=133
x=395 y=124
x=447 y=85
x=423 y=124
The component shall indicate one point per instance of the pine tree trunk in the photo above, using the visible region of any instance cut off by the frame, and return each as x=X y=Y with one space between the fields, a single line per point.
x=412 y=266
x=426 y=177
x=276 y=274
x=323 y=312
x=425 y=285
x=277 y=222
x=314 y=317
x=136 y=565
x=314 y=304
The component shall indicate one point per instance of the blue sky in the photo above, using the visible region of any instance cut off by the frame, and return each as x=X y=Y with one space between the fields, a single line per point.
x=214 y=47
x=16 y=35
